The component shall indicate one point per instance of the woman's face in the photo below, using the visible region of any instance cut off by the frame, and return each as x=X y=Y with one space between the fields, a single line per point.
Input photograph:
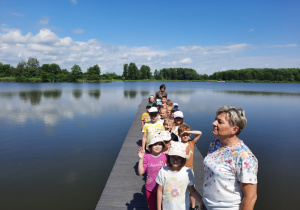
x=222 y=128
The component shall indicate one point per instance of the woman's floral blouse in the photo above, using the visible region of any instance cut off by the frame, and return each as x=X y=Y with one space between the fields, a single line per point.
x=224 y=168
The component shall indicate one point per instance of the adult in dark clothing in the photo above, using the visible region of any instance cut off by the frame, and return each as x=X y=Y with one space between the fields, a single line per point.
x=159 y=94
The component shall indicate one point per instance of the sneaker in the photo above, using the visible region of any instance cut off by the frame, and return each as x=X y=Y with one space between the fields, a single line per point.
x=196 y=208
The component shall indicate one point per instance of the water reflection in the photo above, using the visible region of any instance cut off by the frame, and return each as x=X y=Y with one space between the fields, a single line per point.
x=181 y=92
x=262 y=93
x=77 y=93
x=145 y=93
x=54 y=94
x=7 y=94
x=130 y=93
x=95 y=94
x=34 y=96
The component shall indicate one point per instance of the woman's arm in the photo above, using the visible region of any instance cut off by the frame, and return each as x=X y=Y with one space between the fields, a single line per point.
x=196 y=195
x=159 y=197
x=250 y=196
x=141 y=155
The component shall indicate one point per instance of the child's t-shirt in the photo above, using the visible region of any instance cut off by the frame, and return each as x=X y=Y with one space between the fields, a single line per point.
x=175 y=192
x=190 y=154
x=146 y=117
x=152 y=165
x=151 y=128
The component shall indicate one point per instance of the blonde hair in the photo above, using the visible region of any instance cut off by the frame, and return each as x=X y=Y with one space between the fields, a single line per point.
x=169 y=118
x=235 y=116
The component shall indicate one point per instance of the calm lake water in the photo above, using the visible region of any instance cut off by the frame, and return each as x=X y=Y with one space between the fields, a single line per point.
x=58 y=142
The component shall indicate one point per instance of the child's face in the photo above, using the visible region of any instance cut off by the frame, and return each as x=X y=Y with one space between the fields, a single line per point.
x=163 y=100
x=147 y=108
x=176 y=161
x=185 y=137
x=157 y=148
x=178 y=121
x=169 y=111
x=153 y=116
x=162 y=113
x=168 y=125
x=151 y=99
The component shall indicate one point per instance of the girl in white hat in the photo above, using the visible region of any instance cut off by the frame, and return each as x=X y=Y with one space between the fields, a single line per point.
x=151 y=163
x=175 y=181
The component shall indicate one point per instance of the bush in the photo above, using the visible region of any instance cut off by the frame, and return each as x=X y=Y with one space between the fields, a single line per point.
x=21 y=78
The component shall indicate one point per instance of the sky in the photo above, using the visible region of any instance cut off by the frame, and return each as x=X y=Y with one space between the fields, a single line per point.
x=206 y=35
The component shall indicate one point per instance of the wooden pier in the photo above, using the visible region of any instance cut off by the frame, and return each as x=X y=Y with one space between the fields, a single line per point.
x=125 y=189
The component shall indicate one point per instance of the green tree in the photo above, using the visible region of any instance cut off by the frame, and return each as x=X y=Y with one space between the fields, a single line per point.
x=76 y=71
x=125 y=71
x=133 y=72
x=93 y=73
x=145 y=72
x=157 y=75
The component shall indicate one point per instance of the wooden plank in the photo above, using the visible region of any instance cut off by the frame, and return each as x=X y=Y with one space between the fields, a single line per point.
x=124 y=187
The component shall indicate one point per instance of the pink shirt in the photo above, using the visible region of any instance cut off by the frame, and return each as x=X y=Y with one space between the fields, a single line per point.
x=152 y=165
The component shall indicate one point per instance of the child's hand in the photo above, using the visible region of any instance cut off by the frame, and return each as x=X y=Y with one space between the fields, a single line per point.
x=141 y=153
x=186 y=132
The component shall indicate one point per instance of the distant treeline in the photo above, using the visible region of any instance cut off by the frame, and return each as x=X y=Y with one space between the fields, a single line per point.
x=131 y=72
x=267 y=74
x=31 y=71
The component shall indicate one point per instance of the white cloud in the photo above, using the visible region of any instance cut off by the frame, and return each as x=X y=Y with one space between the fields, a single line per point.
x=17 y=14
x=48 y=47
x=74 y=1
x=78 y=31
x=44 y=21
x=186 y=60
x=251 y=30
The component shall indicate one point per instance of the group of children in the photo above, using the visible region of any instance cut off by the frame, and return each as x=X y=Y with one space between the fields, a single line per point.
x=166 y=156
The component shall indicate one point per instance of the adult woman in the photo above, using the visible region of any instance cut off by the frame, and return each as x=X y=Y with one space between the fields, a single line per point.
x=230 y=168
x=159 y=94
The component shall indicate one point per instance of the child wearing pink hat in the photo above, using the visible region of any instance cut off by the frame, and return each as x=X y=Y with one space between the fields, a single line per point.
x=175 y=181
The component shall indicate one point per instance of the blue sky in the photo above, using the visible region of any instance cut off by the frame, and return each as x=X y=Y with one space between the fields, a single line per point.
x=208 y=36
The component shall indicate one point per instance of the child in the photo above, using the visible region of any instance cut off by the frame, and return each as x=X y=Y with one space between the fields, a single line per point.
x=164 y=101
x=162 y=114
x=166 y=137
x=151 y=164
x=184 y=132
x=170 y=126
x=145 y=116
x=178 y=119
x=154 y=126
x=169 y=110
x=175 y=105
x=169 y=103
x=151 y=99
x=175 y=181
